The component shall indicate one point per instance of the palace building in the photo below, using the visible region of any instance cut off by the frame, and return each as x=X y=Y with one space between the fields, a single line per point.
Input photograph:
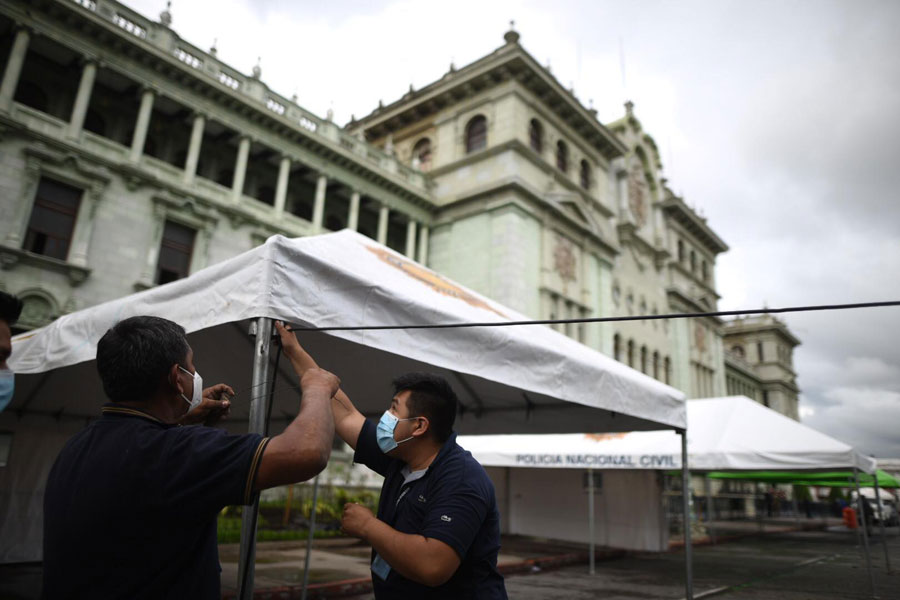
x=130 y=158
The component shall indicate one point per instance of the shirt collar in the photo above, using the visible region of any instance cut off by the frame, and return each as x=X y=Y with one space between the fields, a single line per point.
x=446 y=449
x=126 y=411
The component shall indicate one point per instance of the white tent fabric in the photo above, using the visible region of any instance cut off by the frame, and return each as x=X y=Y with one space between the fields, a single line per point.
x=543 y=495
x=509 y=379
x=346 y=279
x=724 y=434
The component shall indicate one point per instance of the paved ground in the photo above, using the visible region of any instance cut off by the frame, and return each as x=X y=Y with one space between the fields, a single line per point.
x=812 y=565
x=796 y=566
x=815 y=565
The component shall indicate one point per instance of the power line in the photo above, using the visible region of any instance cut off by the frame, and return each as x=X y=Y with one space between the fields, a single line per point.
x=693 y=315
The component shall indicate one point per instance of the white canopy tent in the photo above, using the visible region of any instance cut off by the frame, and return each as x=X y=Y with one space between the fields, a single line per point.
x=509 y=379
x=724 y=434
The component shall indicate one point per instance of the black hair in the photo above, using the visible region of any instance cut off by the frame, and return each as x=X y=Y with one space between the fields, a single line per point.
x=10 y=308
x=431 y=397
x=135 y=355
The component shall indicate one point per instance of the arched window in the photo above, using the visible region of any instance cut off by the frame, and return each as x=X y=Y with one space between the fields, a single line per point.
x=585 y=175
x=680 y=251
x=643 y=359
x=693 y=261
x=536 y=136
x=476 y=134
x=656 y=365
x=617 y=347
x=630 y=353
x=667 y=370
x=421 y=155
x=562 y=156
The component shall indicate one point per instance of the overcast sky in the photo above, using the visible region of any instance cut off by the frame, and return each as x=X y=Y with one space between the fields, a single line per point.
x=779 y=121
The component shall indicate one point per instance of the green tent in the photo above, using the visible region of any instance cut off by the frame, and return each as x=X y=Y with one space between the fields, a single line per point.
x=822 y=479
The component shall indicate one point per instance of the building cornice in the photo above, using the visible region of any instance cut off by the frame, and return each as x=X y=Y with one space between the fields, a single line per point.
x=738 y=327
x=692 y=304
x=295 y=124
x=529 y=154
x=675 y=208
x=516 y=184
x=508 y=62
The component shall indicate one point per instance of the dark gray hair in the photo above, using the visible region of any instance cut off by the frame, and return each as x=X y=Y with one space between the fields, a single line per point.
x=10 y=308
x=134 y=356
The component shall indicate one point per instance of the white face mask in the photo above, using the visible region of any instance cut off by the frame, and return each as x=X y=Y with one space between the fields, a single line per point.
x=197 y=395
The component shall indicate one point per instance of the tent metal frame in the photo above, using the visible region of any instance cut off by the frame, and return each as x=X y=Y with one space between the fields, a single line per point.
x=262 y=328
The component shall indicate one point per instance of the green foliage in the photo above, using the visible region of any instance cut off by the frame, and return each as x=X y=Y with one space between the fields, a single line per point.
x=229 y=532
x=329 y=507
x=836 y=494
x=801 y=492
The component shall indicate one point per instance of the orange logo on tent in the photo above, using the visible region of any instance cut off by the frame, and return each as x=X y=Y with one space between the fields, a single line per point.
x=433 y=280
x=599 y=437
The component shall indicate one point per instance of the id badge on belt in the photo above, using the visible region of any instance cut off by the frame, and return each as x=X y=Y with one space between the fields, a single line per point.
x=380 y=567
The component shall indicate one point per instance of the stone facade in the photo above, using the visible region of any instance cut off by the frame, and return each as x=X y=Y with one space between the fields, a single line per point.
x=495 y=175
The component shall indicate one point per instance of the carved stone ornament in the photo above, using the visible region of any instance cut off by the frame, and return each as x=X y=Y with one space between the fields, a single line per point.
x=564 y=259
x=637 y=194
x=700 y=338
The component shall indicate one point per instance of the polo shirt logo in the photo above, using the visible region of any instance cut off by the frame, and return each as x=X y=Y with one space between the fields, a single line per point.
x=446 y=518
x=421 y=498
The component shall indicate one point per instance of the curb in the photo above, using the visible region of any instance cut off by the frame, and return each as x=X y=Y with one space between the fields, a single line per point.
x=719 y=539
x=363 y=585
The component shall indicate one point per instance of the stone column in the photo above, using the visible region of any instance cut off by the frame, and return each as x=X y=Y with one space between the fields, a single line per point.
x=13 y=69
x=423 y=245
x=383 y=214
x=240 y=168
x=284 y=170
x=319 y=205
x=84 y=226
x=193 y=155
x=18 y=223
x=353 y=216
x=410 y=240
x=83 y=97
x=143 y=122
x=148 y=273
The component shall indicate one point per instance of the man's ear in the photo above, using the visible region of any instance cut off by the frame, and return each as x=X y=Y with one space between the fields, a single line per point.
x=174 y=380
x=422 y=427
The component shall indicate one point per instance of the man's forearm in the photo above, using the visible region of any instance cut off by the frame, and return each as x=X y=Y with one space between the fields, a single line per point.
x=340 y=403
x=415 y=557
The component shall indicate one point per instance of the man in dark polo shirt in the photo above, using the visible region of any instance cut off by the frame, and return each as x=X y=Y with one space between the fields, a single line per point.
x=131 y=503
x=10 y=309
x=437 y=532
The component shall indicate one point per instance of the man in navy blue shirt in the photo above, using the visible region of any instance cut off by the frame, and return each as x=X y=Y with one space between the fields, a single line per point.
x=437 y=532
x=131 y=503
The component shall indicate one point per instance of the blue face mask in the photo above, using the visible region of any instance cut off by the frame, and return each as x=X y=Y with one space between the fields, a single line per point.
x=7 y=386
x=384 y=433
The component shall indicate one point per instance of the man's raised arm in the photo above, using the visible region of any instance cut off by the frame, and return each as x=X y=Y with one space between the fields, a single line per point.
x=348 y=421
x=302 y=450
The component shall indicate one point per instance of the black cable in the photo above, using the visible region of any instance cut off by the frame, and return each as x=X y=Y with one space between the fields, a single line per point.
x=272 y=388
x=720 y=313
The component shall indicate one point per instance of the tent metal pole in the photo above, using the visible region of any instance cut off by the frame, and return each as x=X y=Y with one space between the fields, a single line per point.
x=865 y=534
x=759 y=515
x=590 y=474
x=263 y=329
x=710 y=512
x=887 y=560
x=309 y=538
x=686 y=517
